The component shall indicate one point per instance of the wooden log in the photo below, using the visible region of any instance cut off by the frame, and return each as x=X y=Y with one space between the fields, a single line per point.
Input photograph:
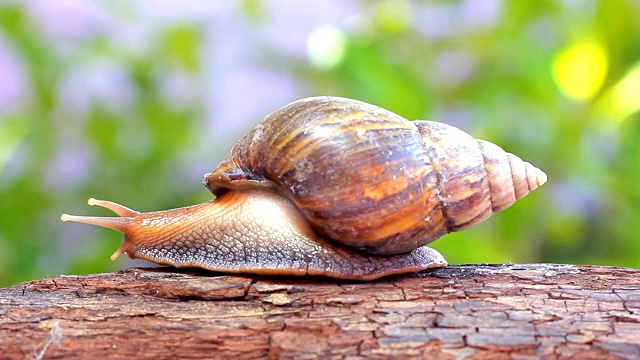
x=474 y=311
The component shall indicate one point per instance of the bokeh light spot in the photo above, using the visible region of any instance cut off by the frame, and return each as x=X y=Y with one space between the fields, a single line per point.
x=580 y=69
x=326 y=47
x=623 y=99
x=394 y=15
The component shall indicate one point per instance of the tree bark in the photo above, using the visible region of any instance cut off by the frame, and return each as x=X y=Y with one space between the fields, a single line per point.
x=474 y=311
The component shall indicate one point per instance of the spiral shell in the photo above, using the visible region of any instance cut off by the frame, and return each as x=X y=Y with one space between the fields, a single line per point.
x=370 y=179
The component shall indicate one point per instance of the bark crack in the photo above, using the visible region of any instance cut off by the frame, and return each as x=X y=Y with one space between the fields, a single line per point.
x=482 y=311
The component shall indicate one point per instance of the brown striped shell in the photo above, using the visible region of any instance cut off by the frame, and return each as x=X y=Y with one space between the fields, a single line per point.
x=370 y=179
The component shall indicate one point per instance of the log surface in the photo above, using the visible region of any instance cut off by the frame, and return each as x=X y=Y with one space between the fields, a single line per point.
x=469 y=311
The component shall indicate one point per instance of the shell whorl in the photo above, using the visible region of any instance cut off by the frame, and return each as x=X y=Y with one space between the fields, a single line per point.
x=371 y=179
x=476 y=178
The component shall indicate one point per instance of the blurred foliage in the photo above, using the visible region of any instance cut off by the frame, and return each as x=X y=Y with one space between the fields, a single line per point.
x=556 y=82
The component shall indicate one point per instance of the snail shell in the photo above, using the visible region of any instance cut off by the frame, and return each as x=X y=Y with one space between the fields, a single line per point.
x=369 y=178
x=334 y=187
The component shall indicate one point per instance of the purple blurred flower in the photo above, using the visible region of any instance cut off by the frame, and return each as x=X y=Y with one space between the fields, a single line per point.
x=14 y=87
x=104 y=82
x=578 y=198
x=71 y=168
x=477 y=14
x=239 y=93
x=69 y=20
x=453 y=69
x=291 y=22
x=437 y=20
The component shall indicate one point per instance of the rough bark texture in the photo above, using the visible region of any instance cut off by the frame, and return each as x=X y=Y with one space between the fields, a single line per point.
x=474 y=311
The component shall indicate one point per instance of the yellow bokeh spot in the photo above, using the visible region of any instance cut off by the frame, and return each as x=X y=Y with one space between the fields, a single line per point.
x=394 y=16
x=580 y=69
x=623 y=99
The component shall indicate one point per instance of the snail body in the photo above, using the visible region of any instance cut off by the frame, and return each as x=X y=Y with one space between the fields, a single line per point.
x=335 y=187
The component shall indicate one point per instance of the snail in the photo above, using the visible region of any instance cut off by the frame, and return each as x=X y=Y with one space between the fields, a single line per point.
x=332 y=187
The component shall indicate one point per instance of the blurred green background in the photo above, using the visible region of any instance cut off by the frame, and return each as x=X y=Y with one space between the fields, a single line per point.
x=133 y=101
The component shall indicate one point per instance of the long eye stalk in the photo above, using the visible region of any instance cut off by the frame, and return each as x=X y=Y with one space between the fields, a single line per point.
x=120 y=224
